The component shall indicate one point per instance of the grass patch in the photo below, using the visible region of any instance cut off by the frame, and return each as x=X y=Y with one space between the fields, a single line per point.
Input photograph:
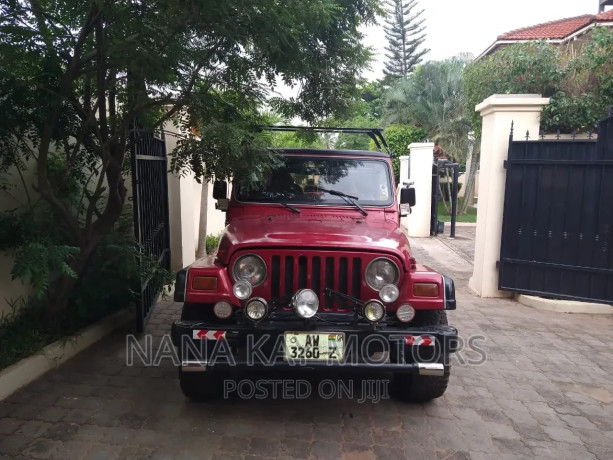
x=470 y=216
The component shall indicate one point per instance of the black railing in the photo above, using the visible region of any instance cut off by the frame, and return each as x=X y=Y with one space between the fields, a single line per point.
x=151 y=222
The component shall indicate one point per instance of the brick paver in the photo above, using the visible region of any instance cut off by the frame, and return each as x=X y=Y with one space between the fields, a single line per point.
x=544 y=391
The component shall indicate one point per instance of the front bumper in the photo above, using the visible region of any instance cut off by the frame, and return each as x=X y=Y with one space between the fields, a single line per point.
x=413 y=350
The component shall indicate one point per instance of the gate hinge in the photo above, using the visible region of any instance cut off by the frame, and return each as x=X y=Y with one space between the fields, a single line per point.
x=505 y=164
x=497 y=264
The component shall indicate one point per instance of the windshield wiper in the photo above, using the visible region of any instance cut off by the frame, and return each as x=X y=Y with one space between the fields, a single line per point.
x=349 y=198
x=290 y=207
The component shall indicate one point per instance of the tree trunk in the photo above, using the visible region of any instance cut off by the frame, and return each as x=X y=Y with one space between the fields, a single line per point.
x=204 y=200
x=469 y=190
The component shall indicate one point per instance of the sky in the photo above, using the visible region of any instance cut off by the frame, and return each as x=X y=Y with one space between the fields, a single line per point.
x=455 y=26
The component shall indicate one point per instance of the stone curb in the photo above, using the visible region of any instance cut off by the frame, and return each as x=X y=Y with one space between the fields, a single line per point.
x=564 y=306
x=53 y=355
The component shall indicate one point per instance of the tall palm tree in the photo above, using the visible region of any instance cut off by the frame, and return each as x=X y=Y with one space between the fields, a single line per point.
x=433 y=99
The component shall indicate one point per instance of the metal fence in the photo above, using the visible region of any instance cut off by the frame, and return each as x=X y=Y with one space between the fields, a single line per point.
x=151 y=222
x=557 y=232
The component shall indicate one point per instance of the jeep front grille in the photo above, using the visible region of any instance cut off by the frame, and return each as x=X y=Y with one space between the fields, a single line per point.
x=292 y=269
x=289 y=273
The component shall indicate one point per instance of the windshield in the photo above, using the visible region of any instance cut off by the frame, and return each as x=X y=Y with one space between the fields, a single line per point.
x=302 y=180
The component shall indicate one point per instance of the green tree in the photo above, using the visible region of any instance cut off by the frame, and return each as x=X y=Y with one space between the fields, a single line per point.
x=580 y=84
x=398 y=138
x=433 y=99
x=79 y=79
x=405 y=35
x=371 y=94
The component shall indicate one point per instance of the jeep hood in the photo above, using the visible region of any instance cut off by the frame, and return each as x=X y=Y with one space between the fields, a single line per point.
x=323 y=232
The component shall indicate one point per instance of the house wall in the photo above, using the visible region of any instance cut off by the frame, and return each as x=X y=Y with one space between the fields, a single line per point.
x=215 y=219
x=462 y=180
x=12 y=290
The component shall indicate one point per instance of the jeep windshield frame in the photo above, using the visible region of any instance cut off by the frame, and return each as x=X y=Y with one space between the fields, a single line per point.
x=301 y=178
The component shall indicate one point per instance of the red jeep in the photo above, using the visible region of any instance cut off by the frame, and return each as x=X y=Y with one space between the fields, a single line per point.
x=313 y=271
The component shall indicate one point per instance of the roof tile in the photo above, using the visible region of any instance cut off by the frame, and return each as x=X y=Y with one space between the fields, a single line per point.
x=559 y=29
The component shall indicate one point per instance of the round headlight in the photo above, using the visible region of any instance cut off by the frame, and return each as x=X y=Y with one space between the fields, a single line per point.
x=380 y=272
x=250 y=268
x=305 y=303
x=222 y=309
x=242 y=290
x=374 y=311
x=256 y=309
x=389 y=293
x=405 y=313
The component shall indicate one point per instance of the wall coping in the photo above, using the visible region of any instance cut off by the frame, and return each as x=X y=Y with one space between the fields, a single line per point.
x=421 y=145
x=512 y=103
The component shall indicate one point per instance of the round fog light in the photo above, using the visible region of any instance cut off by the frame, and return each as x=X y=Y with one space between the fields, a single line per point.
x=256 y=309
x=242 y=290
x=374 y=311
x=389 y=293
x=222 y=310
x=405 y=313
x=305 y=303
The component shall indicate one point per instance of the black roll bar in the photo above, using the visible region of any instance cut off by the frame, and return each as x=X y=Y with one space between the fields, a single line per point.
x=376 y=134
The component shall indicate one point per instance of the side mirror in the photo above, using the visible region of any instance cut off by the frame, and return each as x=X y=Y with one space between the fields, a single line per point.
x=407 y=196
x=220 y=189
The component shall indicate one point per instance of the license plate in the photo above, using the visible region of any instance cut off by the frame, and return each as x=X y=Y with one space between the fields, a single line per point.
x=314 y=346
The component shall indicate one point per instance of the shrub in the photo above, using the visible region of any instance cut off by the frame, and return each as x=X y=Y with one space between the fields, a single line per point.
x=212 y=241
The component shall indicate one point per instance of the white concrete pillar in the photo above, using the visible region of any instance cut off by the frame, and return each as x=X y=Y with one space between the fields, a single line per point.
x=184 y=195
x=420 y=164
x=498 y=112
x=403 y=176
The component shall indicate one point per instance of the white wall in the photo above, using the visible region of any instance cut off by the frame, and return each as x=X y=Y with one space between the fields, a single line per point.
x=462 y=180
x=215 y=219
x=184 y=200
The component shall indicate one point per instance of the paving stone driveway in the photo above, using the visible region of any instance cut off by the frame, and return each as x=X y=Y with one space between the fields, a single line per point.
x=545 y=391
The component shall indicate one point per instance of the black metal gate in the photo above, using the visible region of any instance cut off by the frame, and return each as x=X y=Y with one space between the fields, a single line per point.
x=446 y=166
x=151 y=225
x=557 y=231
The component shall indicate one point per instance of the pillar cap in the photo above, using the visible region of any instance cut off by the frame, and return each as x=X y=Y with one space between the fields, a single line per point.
x=421 y=145
x=512 y=103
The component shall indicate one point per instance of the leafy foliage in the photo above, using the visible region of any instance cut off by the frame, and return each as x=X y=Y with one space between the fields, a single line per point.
x=212 y=242
x=433 y=99
x=580 y=84
x=371 y=95
x=398 y=138
x=80 y=79
x=405 y=34
x=37 y=263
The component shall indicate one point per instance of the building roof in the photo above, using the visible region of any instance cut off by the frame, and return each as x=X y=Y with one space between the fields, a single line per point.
x=557 y=30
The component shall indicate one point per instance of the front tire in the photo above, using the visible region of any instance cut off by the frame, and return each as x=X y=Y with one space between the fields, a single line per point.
x=200 y=386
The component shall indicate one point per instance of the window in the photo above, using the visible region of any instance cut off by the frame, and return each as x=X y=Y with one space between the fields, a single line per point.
x=304 y=180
